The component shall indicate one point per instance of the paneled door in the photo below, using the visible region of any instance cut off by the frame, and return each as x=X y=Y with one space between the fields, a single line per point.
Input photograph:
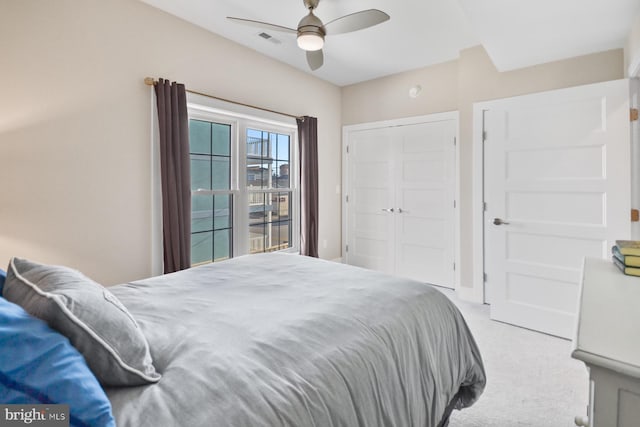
x=557 y=189
x=424 y=188
x=399 y=202
x=371 y=199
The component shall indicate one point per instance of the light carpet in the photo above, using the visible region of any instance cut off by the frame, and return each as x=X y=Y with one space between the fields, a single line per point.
x=531 y=378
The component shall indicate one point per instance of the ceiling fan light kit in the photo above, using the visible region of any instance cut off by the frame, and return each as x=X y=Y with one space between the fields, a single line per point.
x=311 y=31
x=310 y=41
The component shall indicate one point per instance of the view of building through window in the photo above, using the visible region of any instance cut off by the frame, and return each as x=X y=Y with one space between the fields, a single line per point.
x=267 y=165
x=268 y=224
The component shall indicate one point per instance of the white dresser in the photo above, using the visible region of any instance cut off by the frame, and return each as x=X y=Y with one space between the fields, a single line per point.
x=607 y=340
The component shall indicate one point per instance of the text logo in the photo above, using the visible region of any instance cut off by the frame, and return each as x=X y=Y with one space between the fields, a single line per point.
x=34 y=415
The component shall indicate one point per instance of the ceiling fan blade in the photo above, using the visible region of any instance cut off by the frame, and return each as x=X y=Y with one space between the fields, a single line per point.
x=315 y=59
x=261 y=24
x=356 y=21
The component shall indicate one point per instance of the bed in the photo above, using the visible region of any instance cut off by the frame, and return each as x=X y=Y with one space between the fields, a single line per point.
x=285 y=340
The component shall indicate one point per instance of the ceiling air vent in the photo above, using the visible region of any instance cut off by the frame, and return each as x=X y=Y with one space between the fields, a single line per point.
x=269 y=37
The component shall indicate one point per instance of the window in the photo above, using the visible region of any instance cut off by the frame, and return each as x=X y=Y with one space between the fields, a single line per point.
x=244 y=196
x=211 y=195
x=269 y=190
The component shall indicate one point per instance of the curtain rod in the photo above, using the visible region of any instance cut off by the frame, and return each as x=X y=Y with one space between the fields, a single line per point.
x=150 y=81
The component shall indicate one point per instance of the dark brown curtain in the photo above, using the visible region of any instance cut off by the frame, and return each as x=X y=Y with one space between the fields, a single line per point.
x=176 y=178
x=308 y=147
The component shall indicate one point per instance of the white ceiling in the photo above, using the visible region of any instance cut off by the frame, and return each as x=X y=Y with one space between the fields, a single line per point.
x=515 y=33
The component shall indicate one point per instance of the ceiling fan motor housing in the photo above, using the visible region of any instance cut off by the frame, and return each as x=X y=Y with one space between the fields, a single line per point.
x=311 y=4
x=311 y=24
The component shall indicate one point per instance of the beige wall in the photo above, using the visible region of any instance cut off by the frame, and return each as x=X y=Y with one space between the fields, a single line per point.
x=632 y=48
x=75 y=126
x=456 y=86
x=388 y=98
x=75 y=121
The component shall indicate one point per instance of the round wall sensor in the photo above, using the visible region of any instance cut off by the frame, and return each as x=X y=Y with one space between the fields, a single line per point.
x=415 y=91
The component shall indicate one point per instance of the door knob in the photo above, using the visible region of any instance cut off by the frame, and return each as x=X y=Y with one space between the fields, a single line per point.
x=499 y=221
x=388 y=210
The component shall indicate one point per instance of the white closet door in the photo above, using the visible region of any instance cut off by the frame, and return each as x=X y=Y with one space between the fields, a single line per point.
x=425 y=201
x=399 y=210
x=370 y=220
x=557 y=188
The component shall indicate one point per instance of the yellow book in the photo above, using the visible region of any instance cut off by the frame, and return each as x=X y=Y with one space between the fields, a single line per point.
x=629 y=247
x=627 y=260
x=629 y=271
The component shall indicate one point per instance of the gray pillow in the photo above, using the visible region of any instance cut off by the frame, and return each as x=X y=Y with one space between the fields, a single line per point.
x=90 y=316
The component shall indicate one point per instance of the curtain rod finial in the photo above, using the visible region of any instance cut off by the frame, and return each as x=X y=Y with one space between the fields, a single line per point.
x=149 y=81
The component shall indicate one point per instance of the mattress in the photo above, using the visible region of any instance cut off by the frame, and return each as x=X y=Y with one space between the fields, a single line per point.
x=286 y=340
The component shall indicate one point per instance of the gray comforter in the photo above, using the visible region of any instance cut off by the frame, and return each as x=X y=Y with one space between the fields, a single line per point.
x=286 y=340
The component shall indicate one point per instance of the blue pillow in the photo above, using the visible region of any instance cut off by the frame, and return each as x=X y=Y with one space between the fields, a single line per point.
x=3 y=276
x=40 y=366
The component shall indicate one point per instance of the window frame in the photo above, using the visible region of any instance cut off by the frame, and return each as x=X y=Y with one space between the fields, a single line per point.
x=241 y=119
x=204 y=116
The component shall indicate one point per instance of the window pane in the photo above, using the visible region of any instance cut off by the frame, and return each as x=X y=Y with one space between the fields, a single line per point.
x=268 y=169
x=222 y=245
x=221 y=173
x=200 y=137
x=200 y=172
x=257 y=208
x=257 y=151
x=275 y=238
x=273 y=197
x=269 y=221
x=273 y=145
x=254 y=143
x=223 y=212
x=201 y=247
x=256 y=238
x=211 y=222
x=281 y=179
x=283 y=211
x=283 y=148
x=255 y=174
x=201 y=213
x=285 y=234
x=221 y=139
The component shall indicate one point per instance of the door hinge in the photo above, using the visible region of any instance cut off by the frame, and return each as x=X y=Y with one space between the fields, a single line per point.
x=347 y=199
x=484 y=135
x=635 y=215
x=347 y=149
x=484 y=206
x=346 y=249
x=633 y=115
x=484 y=277
x=454 y=266
x=454 y=204
x=455 y=141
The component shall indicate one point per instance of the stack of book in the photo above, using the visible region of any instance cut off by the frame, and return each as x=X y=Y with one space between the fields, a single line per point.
x=626 y=256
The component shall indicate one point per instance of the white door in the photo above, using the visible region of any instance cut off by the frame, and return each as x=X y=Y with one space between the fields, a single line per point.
x=400 y=192
x=425 y=186
x=371 y=200
x=557 y=189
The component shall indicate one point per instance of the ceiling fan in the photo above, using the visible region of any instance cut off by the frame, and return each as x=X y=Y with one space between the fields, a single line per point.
x=311 y=31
